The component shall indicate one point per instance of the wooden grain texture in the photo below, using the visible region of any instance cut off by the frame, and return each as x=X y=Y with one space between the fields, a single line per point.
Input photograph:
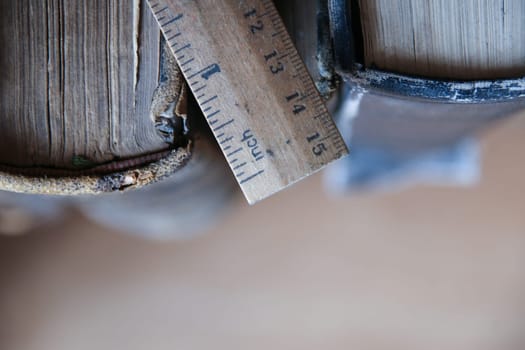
x=254 y=90
x=467 y=39
x=76 y=81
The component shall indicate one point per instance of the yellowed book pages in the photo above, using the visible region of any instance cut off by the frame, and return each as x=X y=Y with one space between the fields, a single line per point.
x=454 y=39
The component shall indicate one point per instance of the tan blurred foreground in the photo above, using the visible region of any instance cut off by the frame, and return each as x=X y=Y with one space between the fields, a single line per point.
x=427 y=268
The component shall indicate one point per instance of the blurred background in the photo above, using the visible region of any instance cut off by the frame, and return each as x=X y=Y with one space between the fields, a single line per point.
x=421 y=268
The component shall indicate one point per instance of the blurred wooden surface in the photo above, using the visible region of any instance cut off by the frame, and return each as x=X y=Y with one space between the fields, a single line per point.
x=467 y=39
x=76 y=80
x=425 y=268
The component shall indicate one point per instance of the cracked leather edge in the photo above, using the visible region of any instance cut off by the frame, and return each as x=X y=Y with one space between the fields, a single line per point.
x=445 y=91
x=132 y=178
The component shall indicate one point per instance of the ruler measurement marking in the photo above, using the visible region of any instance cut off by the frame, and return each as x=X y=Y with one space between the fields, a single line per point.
x=289 y=47
x=339 y=145
x=252 y=177
x=279 y=26
x=224 y=125
x=267 y=4
x=243 y=131
x=240 y=166
x=187 y=46
x=297 y=64
x=338 y=140
x=234 y=152
x=300 y=74
x=200 y=89
x=174 y=19
x=214 y=113
x=161 y=10
x=332 y=127
x=173 y=37
x=296 y=60
x=319 y=106
x=208 y=100
x=330 y=136
x=282 y=30
x=307 y=96
x=205 y=69
x=326 y=123
x=187 y=62
x=275 y=19
x=226 y=140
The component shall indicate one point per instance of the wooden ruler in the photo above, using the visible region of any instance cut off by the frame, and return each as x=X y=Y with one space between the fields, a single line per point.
x=253 y=88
